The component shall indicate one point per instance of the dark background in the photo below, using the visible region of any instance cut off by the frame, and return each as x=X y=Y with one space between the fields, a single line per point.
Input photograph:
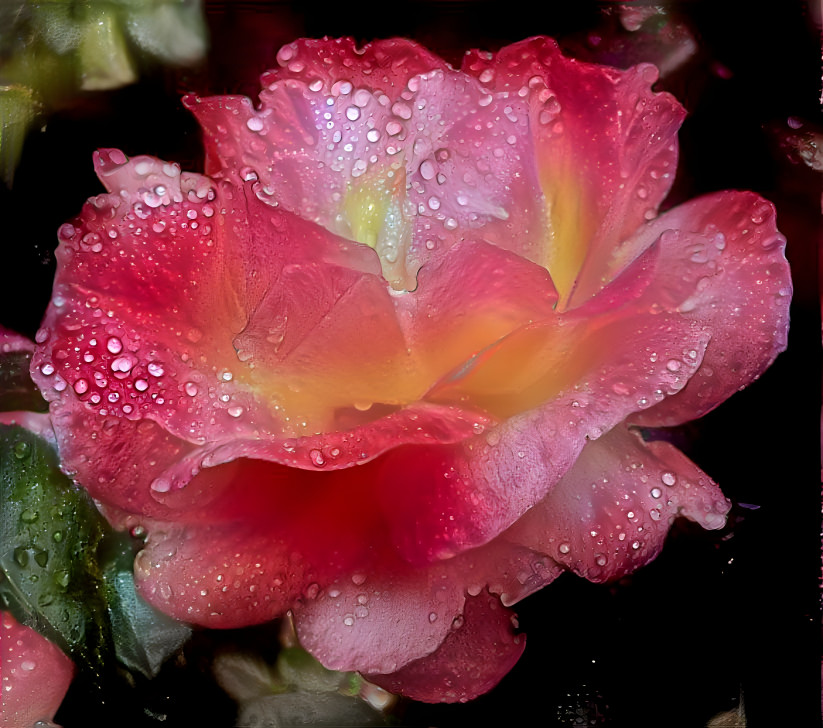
x=718 y=615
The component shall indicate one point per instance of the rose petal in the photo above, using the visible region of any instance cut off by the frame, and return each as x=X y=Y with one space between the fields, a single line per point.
x=460 y=496
x=194 y=370
x=399 y=163
x=11 y=341
x=381 y=619
x=478 y=652
x=606 y=153
x=219 y=576
x=729 y=256
x=467 y=299
x=611 y=512
x=35 y=675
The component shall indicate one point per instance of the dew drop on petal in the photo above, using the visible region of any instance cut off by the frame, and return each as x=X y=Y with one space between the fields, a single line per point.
x=114 y=345
x=668 y=478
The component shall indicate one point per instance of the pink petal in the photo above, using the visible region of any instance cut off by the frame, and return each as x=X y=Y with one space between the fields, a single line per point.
x=481 y=648
x=384 y=65
x=320 y=140
x=11 y=341
x=219 y=576
x=468 y=298
x=310 y=72
x=606 y=153
x=577 y=377
x=611 y=512
x=35 y=675
x=723 y=259
x=124 y=337
x=378 y=620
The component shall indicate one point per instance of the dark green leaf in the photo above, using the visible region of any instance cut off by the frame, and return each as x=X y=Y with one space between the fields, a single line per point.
x=143 y=636
x=49 y=534
x=66 y=573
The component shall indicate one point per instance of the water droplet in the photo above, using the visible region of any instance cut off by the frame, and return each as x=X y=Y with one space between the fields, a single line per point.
x=254 y=124
x=358 y=579
x=47 y=370
x=21 y=450
x=161 y=485
x=81 y=386
x=348 y=620
x=564 y=548
x=668 y=478
x=114 y=345
x=122 y=364
x=635 y=545
x=62 y=578
x=191 y=389
x=141 y=385
x=432 y=617
x=656 y=492
x=427 y=170
x=29 y=516
x=21 y=556
x=235 y=410
x=352 y=113
x=402 y=110
x=155 y=369
x=42 y=558
x=319 y=461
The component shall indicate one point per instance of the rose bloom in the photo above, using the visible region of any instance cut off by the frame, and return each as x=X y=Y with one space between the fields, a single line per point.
x=391 y=366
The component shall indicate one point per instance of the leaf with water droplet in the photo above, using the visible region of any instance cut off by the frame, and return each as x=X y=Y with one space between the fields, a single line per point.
x=50 y=584
x=143 y=636
x=75 y=588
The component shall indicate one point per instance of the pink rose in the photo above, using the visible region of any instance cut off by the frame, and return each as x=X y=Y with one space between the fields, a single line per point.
x=385 y=367
x=35 y=675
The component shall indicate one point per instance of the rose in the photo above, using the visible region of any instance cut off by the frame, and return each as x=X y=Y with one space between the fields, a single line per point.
x=386 y=367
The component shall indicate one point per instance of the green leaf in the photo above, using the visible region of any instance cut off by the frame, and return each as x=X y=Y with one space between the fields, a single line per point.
x=17 y=390
x=49 y=536
x=143 y=636
x=67 y=574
